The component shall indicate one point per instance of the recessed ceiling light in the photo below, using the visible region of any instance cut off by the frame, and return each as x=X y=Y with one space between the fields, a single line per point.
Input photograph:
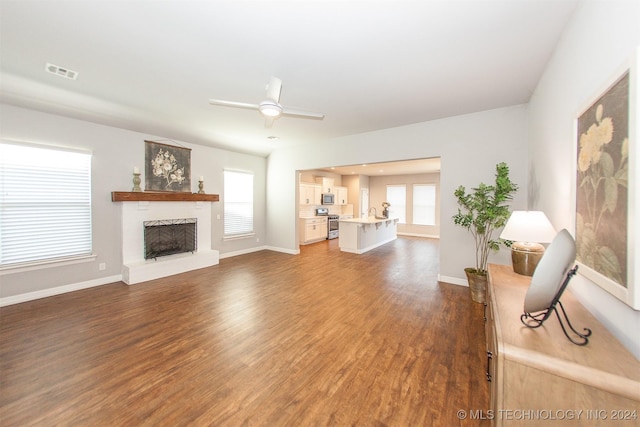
x=61 y=71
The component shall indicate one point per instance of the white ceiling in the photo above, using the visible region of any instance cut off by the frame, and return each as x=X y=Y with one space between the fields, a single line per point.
x=405 y=167
x=368 y=65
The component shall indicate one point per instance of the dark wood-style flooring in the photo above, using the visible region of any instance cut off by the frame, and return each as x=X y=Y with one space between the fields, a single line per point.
x=264 y=339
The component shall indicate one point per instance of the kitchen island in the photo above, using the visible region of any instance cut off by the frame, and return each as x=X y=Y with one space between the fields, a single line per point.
x=359 y=235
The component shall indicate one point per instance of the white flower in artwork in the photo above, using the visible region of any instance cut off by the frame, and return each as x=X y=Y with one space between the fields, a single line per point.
x=165 y=166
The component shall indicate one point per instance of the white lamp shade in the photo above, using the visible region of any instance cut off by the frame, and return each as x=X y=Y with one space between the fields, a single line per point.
x=528 y=226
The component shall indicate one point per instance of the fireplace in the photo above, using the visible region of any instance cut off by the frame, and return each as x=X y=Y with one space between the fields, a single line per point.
x=169 y=237
x=136 y=268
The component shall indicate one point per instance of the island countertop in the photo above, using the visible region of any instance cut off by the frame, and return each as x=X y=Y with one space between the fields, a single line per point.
x=368 y=220
x=360 y=235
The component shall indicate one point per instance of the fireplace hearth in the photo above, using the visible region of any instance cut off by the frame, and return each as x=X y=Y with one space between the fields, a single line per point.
x=169 y=237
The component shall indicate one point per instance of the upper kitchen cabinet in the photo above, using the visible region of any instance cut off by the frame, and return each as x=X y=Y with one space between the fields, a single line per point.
x=310 y=194
x=327 y=184
x=341 y=195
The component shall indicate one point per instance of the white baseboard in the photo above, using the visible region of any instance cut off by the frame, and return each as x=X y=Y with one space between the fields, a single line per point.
x=242 y=252
x=453 y=280
x=30 y=296
x=428 y=236
x=283 y=250
x=258 y=249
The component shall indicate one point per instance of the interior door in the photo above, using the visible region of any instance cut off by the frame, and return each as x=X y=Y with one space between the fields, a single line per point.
x=364 y=202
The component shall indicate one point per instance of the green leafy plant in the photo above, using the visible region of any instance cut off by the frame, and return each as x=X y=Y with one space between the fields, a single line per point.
x=484 y=210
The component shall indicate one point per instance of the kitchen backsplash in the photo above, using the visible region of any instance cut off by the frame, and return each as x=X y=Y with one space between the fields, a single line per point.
x=310 y=210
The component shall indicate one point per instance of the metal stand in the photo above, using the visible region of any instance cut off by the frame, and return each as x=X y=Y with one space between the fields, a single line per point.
x=536 y=320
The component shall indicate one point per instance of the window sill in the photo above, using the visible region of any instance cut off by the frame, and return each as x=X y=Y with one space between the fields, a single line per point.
x=38 y=265
x=239 y=237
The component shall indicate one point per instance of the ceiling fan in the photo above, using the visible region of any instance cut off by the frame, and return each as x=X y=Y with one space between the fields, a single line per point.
x=270 y=108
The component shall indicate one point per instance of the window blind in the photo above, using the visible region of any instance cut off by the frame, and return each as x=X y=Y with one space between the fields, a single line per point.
x=424 y=204
x=45 y=204
x=238 y=203
x=397 y=197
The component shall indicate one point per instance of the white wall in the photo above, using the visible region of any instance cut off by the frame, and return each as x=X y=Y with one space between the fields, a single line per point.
x=469 y=146
x=114 y=154
x=601 y=36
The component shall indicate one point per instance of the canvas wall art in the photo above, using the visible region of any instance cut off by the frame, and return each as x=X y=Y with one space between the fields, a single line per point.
x=167 y=167
x=604 y=204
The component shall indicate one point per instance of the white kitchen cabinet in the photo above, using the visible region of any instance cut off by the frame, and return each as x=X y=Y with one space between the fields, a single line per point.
x=312 y=230
x=310 y=194
x=341 y=195
x=327 y=184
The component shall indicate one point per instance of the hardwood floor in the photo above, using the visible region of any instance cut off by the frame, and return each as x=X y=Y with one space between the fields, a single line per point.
x=265 y=339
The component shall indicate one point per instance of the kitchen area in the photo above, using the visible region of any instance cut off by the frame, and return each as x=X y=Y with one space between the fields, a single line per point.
x=322 y=205
x=326 y=212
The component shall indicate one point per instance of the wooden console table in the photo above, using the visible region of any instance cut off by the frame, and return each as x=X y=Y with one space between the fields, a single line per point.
x=538 y=377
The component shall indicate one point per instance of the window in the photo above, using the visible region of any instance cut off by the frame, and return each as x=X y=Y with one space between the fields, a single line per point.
x=397 y=197
x=424 y=204
x=45 y=204
x=238 y=203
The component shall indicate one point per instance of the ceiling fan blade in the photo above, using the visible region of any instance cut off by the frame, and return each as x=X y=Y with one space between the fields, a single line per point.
x=301 y=113
x=233 y=104
x=274 y=88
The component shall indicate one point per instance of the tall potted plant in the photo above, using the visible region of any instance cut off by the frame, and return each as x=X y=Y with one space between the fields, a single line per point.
x=482 y=211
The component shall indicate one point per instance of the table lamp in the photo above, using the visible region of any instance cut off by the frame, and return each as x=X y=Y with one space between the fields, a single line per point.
x=527 y=229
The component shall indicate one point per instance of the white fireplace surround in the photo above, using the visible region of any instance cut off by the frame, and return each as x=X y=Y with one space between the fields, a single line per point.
x=135 y=268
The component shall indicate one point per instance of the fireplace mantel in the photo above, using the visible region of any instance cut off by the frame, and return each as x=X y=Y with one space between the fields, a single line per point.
x=149 y=196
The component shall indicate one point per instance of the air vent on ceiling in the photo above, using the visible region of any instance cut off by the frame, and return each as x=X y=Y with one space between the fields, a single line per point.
x=62 y=72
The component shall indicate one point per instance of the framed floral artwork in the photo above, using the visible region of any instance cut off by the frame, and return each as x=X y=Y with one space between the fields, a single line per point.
x=167 y=167
x=605 y=188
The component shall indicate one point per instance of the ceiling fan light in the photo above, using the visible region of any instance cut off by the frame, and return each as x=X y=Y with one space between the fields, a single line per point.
x=270 y=109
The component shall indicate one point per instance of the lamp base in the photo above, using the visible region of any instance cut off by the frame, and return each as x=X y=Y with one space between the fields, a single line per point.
x=525 y=257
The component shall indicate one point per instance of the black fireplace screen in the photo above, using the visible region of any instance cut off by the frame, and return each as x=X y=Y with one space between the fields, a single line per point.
x=169 y=236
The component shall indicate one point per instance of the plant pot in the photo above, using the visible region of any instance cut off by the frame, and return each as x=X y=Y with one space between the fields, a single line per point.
x=477 y=285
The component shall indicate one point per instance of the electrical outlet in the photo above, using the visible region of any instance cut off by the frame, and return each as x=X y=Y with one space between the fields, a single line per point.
x=257 y=240
x=102 y=266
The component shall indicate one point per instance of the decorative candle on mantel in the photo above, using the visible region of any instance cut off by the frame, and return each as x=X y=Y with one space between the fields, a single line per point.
x=201 y=185
x=136 y=179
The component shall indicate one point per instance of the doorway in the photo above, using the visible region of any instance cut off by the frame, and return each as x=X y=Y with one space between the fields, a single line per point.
x=364 y=202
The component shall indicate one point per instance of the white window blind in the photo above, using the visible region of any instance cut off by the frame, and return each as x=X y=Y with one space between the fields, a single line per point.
x=397 y=197
x=238 y=203
x=45 y=204
x=424 y=204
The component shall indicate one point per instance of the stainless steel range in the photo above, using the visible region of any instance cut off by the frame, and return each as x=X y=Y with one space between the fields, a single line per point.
x=332 y=222
x=333 y=226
